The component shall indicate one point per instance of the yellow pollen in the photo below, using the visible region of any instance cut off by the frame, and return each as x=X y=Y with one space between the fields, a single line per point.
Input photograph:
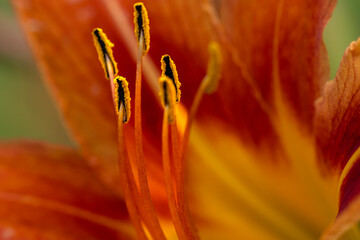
x=141 y=22
x=168 y=69
x=122 y=96
x=213 y=73
x=167 y=96
x=104 y=50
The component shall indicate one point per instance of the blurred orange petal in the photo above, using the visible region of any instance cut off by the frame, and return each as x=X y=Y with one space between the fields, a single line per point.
x=346 y=222
x=49 y=192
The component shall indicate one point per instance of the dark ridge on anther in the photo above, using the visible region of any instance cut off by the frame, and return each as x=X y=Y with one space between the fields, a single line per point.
x=121 y=95
x=140 y=21
x=104 y=51
x=166 y=102
x=169 y=72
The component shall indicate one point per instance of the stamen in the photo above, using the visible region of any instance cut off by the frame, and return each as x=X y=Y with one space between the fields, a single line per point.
x=122 y=97
x=166 y=158
x=104 y=50
x=169 y=69
x=141 y=22
x=179 y=210
x=139 y=207
x=167 y=96
x=127 y=179
x=141 y=32
x=214 y=68
x=182 y=205
x=208 y=85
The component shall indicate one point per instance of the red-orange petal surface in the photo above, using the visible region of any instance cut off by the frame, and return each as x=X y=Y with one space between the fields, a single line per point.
x=49 y=192
x=349 y=206
x=280 y=51
x=337 y=113
x=338 y=138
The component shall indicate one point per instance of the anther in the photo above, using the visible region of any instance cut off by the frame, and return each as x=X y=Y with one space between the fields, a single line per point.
x=168 y=96
x=213 y=73
x=122 y=96
x=168 y=69
x=105 y=53
x=142 y=28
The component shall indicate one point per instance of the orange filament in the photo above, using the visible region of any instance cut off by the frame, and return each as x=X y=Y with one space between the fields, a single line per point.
x=182 y=205
x=127 y=178
x=208 y=85
x=179 y=210
x=168 y=178
x=151 y=220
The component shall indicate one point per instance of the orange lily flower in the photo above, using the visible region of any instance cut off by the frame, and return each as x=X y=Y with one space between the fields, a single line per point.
x=263 y=160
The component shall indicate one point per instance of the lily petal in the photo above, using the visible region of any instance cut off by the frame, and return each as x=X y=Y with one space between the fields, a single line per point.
x=337 y=115
x=278 y=60
x=346 y=222
x=255 y=201
x=49 y=192
x=338 y=137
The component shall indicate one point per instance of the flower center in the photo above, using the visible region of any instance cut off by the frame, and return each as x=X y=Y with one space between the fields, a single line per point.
x=137 y=193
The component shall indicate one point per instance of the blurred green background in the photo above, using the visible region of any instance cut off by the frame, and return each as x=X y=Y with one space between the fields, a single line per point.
x=28 y=111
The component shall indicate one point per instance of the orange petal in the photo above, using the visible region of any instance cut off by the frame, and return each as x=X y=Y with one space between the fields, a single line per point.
x=49 y=192
x=349 y=206
x=250 y=200
x=277 y=59
x=60 y=35
x=338 y=132
x=337 y=113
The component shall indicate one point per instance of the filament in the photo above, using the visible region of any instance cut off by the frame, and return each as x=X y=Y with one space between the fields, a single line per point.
x=168 y=178
x=151 y=218
x=127 y=178
x=179 y=210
